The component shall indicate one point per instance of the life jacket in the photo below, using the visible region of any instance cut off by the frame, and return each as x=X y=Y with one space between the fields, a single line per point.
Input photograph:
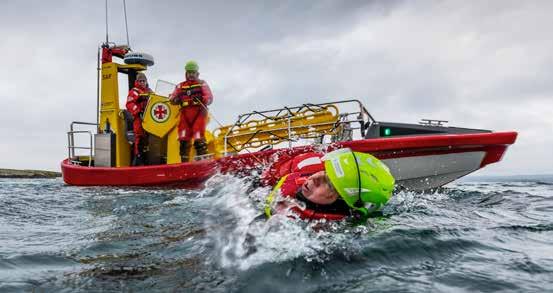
x=137 y=100
x=289 y=186
x=192 y=91
x=305 y=163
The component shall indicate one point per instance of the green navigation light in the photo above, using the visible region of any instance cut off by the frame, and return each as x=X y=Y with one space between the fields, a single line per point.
x=387 y=132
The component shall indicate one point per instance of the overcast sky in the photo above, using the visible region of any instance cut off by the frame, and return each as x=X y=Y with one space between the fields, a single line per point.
x=479 y=64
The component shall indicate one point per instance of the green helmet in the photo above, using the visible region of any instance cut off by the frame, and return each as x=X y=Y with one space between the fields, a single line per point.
x=359 y=178
x=191 y=66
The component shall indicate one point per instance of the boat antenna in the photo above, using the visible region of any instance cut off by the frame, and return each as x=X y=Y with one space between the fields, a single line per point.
x=98 y=69
x=107 y=39
x=126 y=25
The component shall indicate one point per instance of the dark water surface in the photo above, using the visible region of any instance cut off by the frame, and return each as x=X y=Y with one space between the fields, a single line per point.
x=476 y=235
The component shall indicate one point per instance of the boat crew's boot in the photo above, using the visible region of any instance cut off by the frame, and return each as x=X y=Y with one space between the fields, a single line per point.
x=138 y=160
x=139 y=154
x=201 y=148
x=143 y=149
x=184 y=151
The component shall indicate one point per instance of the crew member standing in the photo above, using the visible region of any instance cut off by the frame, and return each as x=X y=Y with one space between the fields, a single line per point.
x=136 y=104
x=194 y=96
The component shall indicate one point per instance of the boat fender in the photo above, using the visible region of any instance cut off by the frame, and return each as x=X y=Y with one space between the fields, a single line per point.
x=139 y=58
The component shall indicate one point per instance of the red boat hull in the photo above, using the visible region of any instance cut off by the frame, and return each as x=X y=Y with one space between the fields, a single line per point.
x=489 y=146
x=186 y=174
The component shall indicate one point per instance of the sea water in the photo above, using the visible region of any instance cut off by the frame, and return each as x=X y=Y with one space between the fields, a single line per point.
x=475 y=235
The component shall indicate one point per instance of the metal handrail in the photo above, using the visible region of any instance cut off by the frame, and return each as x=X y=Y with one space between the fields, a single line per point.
x=363 y=117
x=433 y=122
x=71 y=141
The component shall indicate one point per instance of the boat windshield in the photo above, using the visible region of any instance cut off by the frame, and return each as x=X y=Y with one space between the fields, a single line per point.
x=164 y=88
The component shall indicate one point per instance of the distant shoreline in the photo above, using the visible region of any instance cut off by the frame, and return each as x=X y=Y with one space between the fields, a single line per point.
x=12 y=173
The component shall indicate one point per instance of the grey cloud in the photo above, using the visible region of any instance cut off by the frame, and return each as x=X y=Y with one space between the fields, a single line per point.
x=478 y=64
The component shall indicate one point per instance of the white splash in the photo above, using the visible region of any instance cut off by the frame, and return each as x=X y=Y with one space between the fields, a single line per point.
x=243 y=238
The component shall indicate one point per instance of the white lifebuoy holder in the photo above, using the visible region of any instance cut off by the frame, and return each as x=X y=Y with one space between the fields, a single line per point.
x=139 y=58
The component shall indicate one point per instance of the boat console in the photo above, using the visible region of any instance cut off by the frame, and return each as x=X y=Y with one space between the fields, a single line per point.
x=393 y=129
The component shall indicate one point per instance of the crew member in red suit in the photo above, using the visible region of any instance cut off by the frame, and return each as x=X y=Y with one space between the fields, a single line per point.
x=302 y=177
x=194 y=96
x=136 y=104
x=341 y=184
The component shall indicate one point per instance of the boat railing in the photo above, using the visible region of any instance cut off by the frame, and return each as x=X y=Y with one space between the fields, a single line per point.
x=433 y=122
x=71 y=142
x=269 y=127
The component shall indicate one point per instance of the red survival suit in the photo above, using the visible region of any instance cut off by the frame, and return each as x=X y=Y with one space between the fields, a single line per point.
x=193 y=115
x=293 y=172
x=136 y=104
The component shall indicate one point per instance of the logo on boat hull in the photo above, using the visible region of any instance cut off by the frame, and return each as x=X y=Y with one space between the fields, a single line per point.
x=160 y=112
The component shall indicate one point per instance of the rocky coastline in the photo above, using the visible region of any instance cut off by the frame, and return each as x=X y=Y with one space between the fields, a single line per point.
x=12 y=173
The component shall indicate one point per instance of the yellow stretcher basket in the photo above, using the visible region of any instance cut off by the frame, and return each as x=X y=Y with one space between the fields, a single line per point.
x=309 y=122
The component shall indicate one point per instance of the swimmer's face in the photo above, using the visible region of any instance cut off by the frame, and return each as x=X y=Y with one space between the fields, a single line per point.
x=318 y=189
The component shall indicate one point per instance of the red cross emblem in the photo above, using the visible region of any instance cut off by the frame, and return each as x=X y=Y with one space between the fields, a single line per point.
x=160 y=112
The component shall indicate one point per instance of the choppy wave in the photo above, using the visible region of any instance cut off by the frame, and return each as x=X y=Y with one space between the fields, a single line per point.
x=491 y=235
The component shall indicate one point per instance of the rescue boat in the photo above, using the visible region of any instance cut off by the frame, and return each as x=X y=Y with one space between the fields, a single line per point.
x=421 y=156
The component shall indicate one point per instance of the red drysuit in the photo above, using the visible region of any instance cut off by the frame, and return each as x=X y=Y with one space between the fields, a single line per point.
x=193 y=115
x=136 y=104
